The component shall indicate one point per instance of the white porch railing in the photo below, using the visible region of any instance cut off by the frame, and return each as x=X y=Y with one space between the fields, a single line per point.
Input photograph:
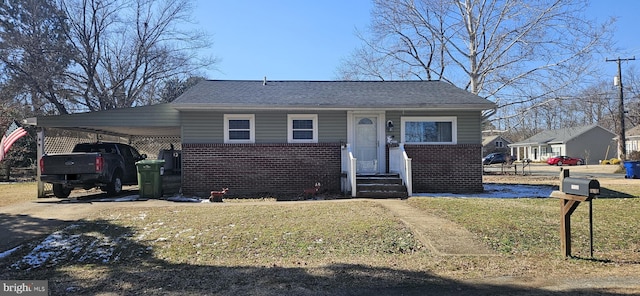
x=349 y=168
x=400 y=163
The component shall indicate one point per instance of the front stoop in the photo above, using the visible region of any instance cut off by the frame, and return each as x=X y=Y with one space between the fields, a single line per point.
x=380 y=186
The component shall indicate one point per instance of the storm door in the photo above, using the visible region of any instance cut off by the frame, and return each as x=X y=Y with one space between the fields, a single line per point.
x=366 y=144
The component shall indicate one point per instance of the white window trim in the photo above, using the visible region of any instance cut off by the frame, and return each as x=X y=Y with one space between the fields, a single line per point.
x=292 y=117
x=452 y=119
x=252 y=127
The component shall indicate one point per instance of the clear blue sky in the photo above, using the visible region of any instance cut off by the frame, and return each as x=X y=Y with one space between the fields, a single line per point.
x=307 y=39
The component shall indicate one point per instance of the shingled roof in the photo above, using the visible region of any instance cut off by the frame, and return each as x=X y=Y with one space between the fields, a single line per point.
x=558 y=136
x=387 y=95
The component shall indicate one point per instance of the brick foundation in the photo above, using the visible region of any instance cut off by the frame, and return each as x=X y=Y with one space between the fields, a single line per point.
x=260 y=170
x=446 y=168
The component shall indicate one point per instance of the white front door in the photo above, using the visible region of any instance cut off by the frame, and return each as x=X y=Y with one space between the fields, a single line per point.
x=366 y=143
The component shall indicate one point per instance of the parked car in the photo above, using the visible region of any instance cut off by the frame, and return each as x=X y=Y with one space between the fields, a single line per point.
x=562 y=160
x=497 y=158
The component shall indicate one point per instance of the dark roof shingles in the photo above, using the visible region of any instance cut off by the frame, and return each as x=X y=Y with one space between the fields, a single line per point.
x=330 y=94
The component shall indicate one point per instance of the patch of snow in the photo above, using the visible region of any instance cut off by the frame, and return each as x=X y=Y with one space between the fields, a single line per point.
x=180 y=198
x=62 y=246
x=8 y=253
x=49 y=250
x=134 y=197
x=501 y=191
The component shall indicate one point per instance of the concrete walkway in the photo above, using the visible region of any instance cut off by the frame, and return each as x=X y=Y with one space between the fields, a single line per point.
x=441 y=236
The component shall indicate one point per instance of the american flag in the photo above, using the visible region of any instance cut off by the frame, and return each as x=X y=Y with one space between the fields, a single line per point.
x=14 y=133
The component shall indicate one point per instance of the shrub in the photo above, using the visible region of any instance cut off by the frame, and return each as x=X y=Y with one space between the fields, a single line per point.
x=634 y=155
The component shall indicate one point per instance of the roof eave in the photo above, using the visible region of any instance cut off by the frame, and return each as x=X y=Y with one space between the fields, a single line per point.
x=200 y=107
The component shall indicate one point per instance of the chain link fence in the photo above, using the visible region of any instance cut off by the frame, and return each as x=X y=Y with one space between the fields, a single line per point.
x=63 y=141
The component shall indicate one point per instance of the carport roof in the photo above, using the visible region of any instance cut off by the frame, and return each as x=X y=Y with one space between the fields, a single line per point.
x=153 y=121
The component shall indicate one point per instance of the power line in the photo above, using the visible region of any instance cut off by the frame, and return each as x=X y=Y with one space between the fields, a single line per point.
x=622 y=148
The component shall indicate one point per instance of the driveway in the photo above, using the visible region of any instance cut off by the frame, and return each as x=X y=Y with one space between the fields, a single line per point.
x=542 y=169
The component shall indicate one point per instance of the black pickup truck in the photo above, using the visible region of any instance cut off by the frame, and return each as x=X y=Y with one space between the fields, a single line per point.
x=89 y=165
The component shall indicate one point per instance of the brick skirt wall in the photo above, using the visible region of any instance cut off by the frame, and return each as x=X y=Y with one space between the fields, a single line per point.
x=446 y=168
x=260 y=170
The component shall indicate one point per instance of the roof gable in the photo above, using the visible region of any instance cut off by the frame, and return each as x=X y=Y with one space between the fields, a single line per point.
x=486 y=140
x=222 y=94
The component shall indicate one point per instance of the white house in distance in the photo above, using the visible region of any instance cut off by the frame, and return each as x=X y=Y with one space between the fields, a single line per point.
x=590 y=142
x=632 y=141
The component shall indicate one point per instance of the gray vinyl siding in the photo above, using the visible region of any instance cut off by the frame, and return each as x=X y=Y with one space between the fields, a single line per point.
x=469 y=123
x=202 y=128
x=271 y=126
x=332 y=126
x=593 y=145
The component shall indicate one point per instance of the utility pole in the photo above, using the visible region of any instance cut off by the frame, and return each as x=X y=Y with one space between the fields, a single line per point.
x=622 y=148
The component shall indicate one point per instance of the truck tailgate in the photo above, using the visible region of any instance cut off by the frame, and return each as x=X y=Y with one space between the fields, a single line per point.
x=70 y=163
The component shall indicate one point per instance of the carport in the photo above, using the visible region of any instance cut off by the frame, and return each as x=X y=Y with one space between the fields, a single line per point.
x=151 y=129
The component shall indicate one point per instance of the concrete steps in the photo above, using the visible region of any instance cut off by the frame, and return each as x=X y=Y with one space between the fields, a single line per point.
x=380 y=186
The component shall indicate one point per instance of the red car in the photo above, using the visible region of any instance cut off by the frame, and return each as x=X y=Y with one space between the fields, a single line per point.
x=562 y=160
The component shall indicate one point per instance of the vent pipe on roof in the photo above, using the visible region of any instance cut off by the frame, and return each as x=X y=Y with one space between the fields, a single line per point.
x=264 y=82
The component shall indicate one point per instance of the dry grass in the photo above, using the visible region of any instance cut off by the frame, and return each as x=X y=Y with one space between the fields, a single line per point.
x=12 y=193
x=530 y=227
x=337 y=248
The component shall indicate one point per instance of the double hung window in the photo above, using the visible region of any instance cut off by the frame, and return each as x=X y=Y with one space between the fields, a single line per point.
x=239 y=128
x=302 y=128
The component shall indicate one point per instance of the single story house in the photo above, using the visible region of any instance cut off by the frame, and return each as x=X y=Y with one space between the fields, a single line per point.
x=591 y=142
x=494 y=143
x=280 y=137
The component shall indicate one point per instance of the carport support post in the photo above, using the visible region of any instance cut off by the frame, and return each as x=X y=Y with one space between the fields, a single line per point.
x=39 y=153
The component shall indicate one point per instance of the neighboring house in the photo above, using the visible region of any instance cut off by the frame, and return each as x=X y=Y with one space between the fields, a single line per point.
x=279 y=137
x=494 y=143
x=592 y=143
x=632 y=142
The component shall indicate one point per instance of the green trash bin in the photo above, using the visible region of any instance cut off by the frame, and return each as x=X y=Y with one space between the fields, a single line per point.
x=150 y=178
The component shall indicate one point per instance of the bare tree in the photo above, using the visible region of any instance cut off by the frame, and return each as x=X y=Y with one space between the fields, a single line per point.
x=127 y=48
x=173 y=88
x=406 y=42
x=510 y=51
x=632 y=95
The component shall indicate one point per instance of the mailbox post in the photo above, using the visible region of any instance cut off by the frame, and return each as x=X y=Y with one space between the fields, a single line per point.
x=572 y=192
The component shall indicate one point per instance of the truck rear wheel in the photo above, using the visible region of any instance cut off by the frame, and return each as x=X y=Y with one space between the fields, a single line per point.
x=60 y=191
x=115 y=187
